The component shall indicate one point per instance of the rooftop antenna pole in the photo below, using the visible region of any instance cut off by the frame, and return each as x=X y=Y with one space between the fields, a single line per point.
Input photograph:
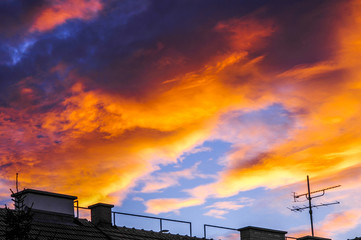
x=309 y=197
x=17 y=182
x=309 y=203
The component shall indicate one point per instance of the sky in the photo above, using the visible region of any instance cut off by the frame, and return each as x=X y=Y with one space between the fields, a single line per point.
x=207 y=111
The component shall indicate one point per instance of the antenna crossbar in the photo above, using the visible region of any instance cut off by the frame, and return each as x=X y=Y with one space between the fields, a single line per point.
x=317 y=191
x=300 y=209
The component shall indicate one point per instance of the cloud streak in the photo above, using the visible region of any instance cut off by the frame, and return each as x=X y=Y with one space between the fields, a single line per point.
x=219 y=209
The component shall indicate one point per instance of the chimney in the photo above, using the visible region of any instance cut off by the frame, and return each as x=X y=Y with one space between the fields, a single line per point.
x=312 y=238
x=256 y=233
x=48 y=206
x=101 y=214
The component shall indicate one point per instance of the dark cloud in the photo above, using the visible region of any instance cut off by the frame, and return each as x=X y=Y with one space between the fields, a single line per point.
x=127 y=51
x=305 y=32
x=164 y=40
x=133 y=46
x=17 y=16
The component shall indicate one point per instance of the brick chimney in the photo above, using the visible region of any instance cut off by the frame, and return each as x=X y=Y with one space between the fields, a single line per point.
x=312 y=238
x=256 y=233
x=101 y=214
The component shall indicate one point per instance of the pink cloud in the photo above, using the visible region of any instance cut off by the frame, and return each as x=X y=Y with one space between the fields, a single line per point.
x=60 y=11
x=332 y=225
x=216 y=213
x=219 y=209
x=162 y=205
x=340 y=222
x=232 y=205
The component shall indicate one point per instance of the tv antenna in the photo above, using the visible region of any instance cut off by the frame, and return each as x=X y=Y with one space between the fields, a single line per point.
x=309 y=196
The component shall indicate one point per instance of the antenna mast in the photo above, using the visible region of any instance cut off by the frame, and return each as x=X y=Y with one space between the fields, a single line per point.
x=17 y=182
x=309 y=197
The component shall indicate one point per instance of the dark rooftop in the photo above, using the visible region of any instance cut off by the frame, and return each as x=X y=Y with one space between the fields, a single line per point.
x=84 y=229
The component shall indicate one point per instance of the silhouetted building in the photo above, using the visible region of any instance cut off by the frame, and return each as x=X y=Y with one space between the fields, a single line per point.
x=54 y=219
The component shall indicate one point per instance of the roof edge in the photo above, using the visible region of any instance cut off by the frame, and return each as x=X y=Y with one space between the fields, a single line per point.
x=101 y=205
x=261 y=229
x=45 y=193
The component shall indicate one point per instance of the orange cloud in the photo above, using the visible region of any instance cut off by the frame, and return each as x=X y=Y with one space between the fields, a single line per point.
x=341 y=222
x=60 y=11
x=324 y=99
x=245 y=33
x=156 y=206
x=328 y=137
x=111 y=141
x=332 y=225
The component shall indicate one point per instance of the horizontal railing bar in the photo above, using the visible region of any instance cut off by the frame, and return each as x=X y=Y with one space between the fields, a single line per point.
x=145 y=216
x=84 y=208
x=208 y=225
x=158 y=218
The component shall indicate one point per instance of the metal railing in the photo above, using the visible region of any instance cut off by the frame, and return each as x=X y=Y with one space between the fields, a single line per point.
x=208 y=225
x=158 y=218
x=78 y=207
x=76 y=202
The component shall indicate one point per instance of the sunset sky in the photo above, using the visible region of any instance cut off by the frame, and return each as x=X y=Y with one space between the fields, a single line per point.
x=200 y=110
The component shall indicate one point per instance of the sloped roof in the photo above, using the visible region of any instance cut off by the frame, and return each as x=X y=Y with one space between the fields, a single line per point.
x=82 y=229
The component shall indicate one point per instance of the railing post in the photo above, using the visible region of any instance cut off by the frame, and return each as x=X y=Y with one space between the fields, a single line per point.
x=190 y=229
x=77 y=208
x=161 y=227
x=208 y=225
x=114 y=219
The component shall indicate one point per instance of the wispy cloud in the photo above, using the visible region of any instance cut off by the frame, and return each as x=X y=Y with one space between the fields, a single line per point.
x=194 y=151
x=340 y=222
x=161 y=205
x=232 y=205
x=161 y=181
x=216 y=213
x=138 y=199
x=219 y=209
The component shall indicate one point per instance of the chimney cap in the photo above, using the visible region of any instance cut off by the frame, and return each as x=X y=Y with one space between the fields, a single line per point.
x=261 y=229
x=101 y=205
x=39 y=192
